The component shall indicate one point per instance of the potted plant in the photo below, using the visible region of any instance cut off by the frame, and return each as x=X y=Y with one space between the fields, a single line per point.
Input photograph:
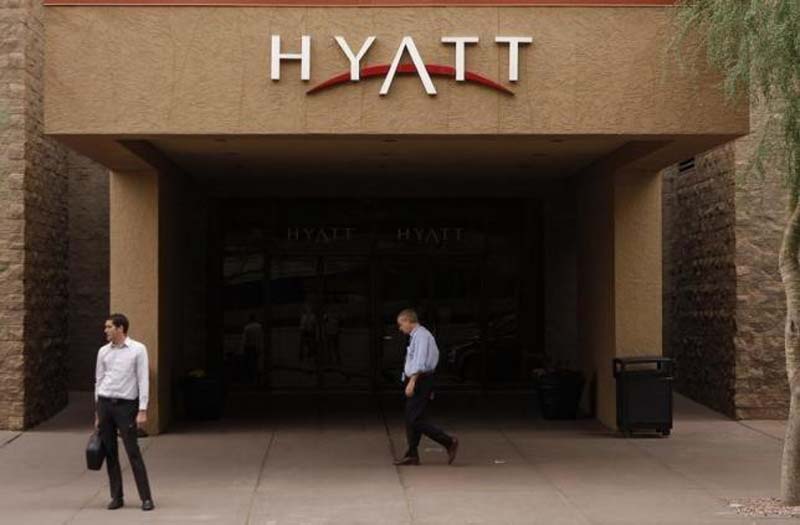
x=202 y=396
x=560 y=389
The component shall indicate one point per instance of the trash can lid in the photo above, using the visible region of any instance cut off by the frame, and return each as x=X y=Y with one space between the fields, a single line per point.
x=659 y=365
x=643 y=359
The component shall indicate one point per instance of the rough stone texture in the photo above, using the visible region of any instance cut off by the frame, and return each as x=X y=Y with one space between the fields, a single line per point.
x=12 y=214
x=88 y=267
x=724 y=305
x=762 y=390
x=700 y=277
x=46 y=242
x=33 y=229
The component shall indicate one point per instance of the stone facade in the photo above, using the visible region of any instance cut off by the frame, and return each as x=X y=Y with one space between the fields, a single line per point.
x=699 y=276
x=34 y=249
x=53 y=239
x=12 y=213
x=762 y=389
x=724 y=305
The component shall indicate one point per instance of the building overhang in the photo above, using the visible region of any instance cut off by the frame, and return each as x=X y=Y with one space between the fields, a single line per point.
x=198 y=83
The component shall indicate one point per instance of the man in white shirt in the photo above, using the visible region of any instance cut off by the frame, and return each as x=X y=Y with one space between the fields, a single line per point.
x=121 y=394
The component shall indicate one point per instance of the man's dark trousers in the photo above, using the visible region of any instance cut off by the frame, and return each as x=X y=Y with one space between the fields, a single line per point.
x=120 y=414
x=416 y=424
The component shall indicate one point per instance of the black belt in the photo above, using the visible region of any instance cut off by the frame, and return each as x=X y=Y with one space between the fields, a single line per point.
x=117 y=400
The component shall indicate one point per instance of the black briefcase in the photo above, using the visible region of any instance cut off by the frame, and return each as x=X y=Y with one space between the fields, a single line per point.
x=95 y=453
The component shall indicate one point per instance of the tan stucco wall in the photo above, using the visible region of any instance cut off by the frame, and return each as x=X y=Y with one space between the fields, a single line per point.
x=619 y=271
x=205 y=70
x=637 y=261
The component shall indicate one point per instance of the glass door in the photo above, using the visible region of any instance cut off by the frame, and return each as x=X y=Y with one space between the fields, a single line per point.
x=457 y=320
x=504 y=349
x=309 y=293
x=345 y=324
x=296 y=315
x=243 y=356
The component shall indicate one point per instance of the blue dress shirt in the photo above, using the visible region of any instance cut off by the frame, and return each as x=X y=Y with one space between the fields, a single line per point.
x=422 y=354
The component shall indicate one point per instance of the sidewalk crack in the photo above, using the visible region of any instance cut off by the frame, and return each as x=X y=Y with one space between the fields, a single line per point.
x=393 y=453
x=260 y=476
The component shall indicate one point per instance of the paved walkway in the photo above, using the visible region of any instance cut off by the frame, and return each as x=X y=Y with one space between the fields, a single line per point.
x=328 y=461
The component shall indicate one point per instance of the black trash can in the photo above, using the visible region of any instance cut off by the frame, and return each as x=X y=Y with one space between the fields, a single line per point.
x=644 y=394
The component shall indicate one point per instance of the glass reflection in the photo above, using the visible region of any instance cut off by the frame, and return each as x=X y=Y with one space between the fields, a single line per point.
x=345 y=325
x=311 y=291
x=295 y=336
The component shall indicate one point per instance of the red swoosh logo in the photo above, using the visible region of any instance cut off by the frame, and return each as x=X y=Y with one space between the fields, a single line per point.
x=433 y=69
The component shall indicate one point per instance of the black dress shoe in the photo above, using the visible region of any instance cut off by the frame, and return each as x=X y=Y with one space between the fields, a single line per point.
x=148 y=505
x=407 y=460
x=452 y=450
x=115 y=504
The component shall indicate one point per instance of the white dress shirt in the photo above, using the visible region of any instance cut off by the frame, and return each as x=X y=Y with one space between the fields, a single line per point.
x=122 y=372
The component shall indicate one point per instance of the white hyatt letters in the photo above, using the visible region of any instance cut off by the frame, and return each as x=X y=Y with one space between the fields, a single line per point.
x=355 y=60
x=407 y=45
x=304 y=56
x=513 y=53
x=460 y=42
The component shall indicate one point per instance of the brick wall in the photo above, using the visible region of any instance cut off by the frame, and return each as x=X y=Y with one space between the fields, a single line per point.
x=33 y=231
x=699 y=276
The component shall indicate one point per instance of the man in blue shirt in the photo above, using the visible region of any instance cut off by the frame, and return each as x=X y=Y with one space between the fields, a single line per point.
x=422 y=356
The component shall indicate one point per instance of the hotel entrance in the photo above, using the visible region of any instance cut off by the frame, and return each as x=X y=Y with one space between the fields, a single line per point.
x=307 y=291
x=531 y=187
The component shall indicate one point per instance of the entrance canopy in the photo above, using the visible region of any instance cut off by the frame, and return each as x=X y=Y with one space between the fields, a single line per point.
x=183 y=70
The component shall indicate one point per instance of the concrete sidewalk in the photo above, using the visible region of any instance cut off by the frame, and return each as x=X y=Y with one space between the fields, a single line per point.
x=328 y=461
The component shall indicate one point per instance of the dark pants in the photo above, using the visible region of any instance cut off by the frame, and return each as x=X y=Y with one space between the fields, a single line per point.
x=120 y=414
x=416 y=424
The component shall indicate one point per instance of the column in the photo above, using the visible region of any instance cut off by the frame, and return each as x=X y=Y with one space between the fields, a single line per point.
x=619 y=282
x=137 y=218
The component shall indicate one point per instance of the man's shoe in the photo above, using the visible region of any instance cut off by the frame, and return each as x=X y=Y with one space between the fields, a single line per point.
x=115 y=504
x=452 y=450
x=148 y=505
x=407 y=460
